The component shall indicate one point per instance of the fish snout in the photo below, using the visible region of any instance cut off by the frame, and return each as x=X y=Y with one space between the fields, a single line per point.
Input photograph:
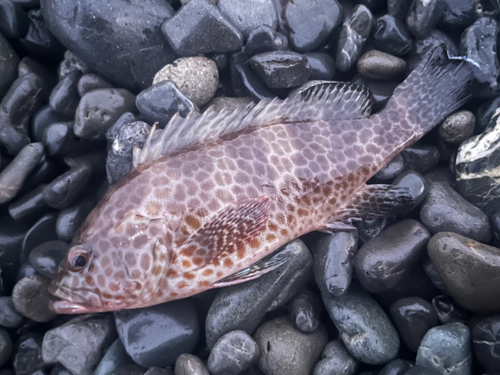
x=73 y=301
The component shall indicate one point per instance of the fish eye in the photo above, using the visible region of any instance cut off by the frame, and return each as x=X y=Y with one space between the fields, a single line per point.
x=78 y=259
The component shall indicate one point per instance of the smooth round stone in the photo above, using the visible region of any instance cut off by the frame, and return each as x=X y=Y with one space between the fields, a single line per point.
x=395 y=367
x=447 y=349
x=278 y=338
x=304 y=311
x=90 y=82
x=448 y=311
x=157 y=335
x=129 y=53
x=43 y=230
x=364 y=327
x=65 y=189
x=64 y=97
x=457 y=127
x=332 y=262
x=199 y=27
x=70 y=219
x=423 y=16
x=420 y=157
x=458 y=14
x=391 y=170
x=29 y=207
x=28 y=354
x=415 y=182
x=369 y=228
x=380 y=66
x=161 y=101
x=46 y=257
x=485 y=334
x=265 y=39
x=433 y=274
x=98 y=111
x=281 y=69
x=31 y=298
x=115 y=357
x=467 y=268
x=242 y=307
x=14 y=22
x=245 y=81
x=197 y=78
x=391 y=35
x=189 y=364
x=233 y=353
x=9 y=317
x=70 y=64
x=44 y=117
x=8 y=65
x=445 y=210
x=307 y=36
x=130 y=369
x=385 y=260
x=79 y=344
x=322 y=66
x=5 y=344
x=336 y=360
x=247 y=15
x=413 y=317
x=60 y=140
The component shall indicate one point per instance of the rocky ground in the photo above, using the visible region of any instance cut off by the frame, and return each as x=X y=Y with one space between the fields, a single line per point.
x=81 y=83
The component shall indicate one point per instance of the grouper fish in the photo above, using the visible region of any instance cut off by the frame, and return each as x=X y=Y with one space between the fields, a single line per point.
x=213 y=195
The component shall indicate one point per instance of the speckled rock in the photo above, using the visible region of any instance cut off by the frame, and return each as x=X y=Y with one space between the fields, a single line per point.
x=457 y=127
x=233 y=353
x=31 y=298
x=189 y=364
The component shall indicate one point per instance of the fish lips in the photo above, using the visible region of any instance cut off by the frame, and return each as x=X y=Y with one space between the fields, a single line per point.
x=70 y=302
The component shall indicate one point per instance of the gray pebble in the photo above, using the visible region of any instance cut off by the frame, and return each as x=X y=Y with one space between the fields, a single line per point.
x=423 y=16
x=47 y=257
x=70 y=219
x=70 y=64
x=188 y=364
x=304 y=311
x=433 y=274
x=336 y=360
x=5 y=346
x=396 y=367
x=29 y=65
x=31 y=298
x=115 y=357
x=64 y=97
x=247 y=15
x=8 y=65
x=158 y=371
x=233 y=353
x=90 y=82
x=449 y=311
x=457 y=127
x=381 y=66
x=265 y=39
x=9 y=316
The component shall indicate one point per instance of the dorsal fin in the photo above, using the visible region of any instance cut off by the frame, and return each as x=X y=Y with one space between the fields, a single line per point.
x=324 y=101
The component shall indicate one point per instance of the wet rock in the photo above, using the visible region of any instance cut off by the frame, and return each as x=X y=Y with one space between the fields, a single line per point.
x=233 y=353
x=413 y=317
x=307 y=36
x=385 y=260
x=26 y=270
x=433 y=274
x=64 y=97
x=423 y=16
x=90 y=82
x=8 y=65
x=485 y=112
x=391 y=35
x=80 y=343
x=448 y=311
x=447 y=349
x=197 y=78
x=188 y=364
x=247 y=15
x=467 y=268
x=395 y=367
x=415 y=182
x=65 y=189
x=60 y=140
x=70 y=219
x=322 y=66
x=363 y=326
x=457 y=15
x=158 y=371
x=457 y=127
x=281 y=69
x=59 y=370
x=245 y=81
x=5 y=344
x=28 y=354
x=381 y=66
x=332 y=262
x=265 y=39
x=43 y=230
x=278 y=338
x=199 y=27
x=9 y=317
x=98 y=111
x=495 y=226
x=445 y=210
x=485 y=334
x=46 y=257
x=31 y=298
x=44 y=117
x=391 y=170
x=241 y=307
x=49 y=81
x=129 y=53
x=14 y=22
x=420 y=157
x=353 y=35
x=160 y=102
x=115 y=357
x=304 y=311
x=13 y=176
x=157 y=335
x=336 y=360
x=398 y=8
x=421 y=370
x=71 y=64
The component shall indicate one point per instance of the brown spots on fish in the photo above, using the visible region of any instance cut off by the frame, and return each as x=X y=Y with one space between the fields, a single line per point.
x=284 y=232
x=173 y=294
x=219 y=274
x=182 y=284
x=136 y=273
x=188 y=251
x=90 y=280
x=270 y=237
x=254 y=243
x=197 y=261
x=193 y=222
x=104 y=245
x=188 y=275
x=186 y=263
x=106 y=295
x=101 y=281
x=145 y=262
x=171 y=273
x=273 y=227
x=156 y=270
x=140 y=241
x=153 y=209
x=228 y=263
x=108 y=272
x=241 y=252
x=203 y=284
x=114 y=287
x=301 y=212
x=208 y=272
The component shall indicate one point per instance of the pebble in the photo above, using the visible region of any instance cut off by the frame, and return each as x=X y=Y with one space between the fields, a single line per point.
x=44 y=117
x=381 y=66
x=467 y=268
x=99 y=110
x=43 y=230
x=321 y=65
x=8 y=65
x=391 y=170
x=199 y=27
x=421 y=370
x=391 y=35
x=363 y=326
x=447 y=349
x=432 y=273
x=420 y=157
x=70 y=219
x=245 y=81
x=31 y=298
x=353 y=35
x=197 y=78
x=423 y=16
x=247 y=15
x=281 y=69
x=59 y=370
x=242 y=307
x=158 y=371
x=5 y=344
x=448 y=311
x=336 y=360
x=46 y=170
x=157 y=335
x=395 y=367
x=415 y=182
x=161 y=101
x=485 y=334
x=29 y=65
x=332 y=262
x=115 y=357
x=305 y=309
x=265 y=39
x=413 y=317
x=278 y=338
x=445 y=210
x=90 y=82
x=385 y=260
x=189 y=364
x=457 y=127
x=129 y=52
x=66 y=189
x=11 y=238
x=64 y=97
x=60 y=140
x=80 y=343
x=485 y=114
x=26 y=270
x=14 y=22
x=233 y=353
x=28 y=354
x=71 y=63
x=13 y=176
x=9 y=317
x=311 y=23
x=46 y=257
x=457 y=15
x=478 y=42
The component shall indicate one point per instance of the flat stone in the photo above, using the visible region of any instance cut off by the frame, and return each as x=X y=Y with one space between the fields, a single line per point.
x=391 y=35
x=457 y=127
x=8 y=65
x=245 y=81
x=467 y=268
x=265 y=39
x=336 y=360
x=485 y=334
x=31 y=298
x=189 y=364
x=247 y=15
x=46 y=257
x=60 y=140
x=415 y=182
x=44 y=117
x=381 y=66
x=233 y=353
x=449 y=311
x=423 y=16
x=457 y=15
x=399 y=8
x=304 y=310
x=29 y=65
x=14 y=22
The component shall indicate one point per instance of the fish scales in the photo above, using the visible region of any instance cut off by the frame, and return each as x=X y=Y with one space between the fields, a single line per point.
x=206 y=214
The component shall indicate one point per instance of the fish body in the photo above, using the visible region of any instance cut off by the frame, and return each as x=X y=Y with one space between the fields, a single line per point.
x=194 y=216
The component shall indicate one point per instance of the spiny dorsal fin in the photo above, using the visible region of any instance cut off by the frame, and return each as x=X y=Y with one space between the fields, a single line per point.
x=325 y=101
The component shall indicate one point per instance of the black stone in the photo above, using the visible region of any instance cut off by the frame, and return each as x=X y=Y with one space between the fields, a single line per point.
x=421 y=370
x=9 y=317
x=420 y=157
x=90 y=81
x=44 y=172
x=26 y=270
x=369 y=228
x=8 y=65
x=449 y=311
x=395 y=367
x=11 y=239
x=322 y=66
x=415 y=182
x=43 y=230
x=199 y=27
x=64 y=98
x=71 y=64
x=28 y=354
x=70 y=219
x=391 y=35
x=433 y=274
x=485 y=337
x=390 y=171
x=457 y=15
x=335 y=359
x=59 y=370
x=29 y=65
x=265 y=39
x=423 y=16
x=398 y=8
x=65 y=189
x=5 y=346
x=495 y=226
x=304 y=311
x=60 y=140
x=46 y=257
x=29 y=207
x=42 y=119
x=96 y=159
x=14 y=22
x=220 y=59
x=245 y=81
x=485 y=112
x=189 y=364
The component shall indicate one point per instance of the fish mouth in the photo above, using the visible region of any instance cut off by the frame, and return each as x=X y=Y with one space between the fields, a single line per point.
x=71 y=302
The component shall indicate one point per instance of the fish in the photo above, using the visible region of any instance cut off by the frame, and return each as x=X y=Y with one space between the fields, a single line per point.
x=212 y=196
